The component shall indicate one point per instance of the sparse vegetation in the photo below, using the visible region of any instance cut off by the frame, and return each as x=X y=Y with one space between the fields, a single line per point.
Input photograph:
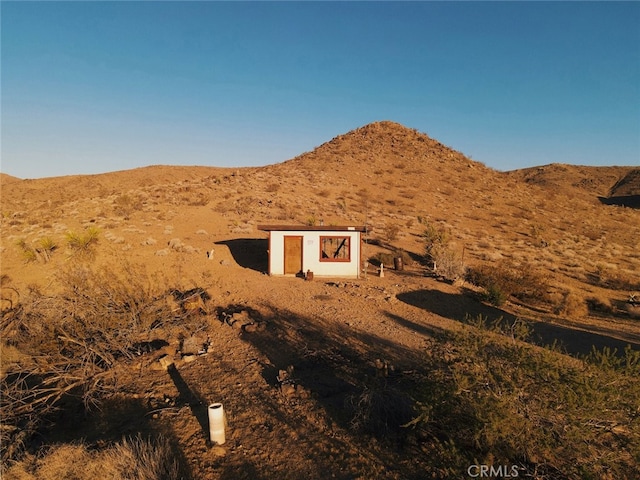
x=124 y=205
x=83 y=244
x=499 y=403
x=571 y=305
x=42 y=251
x=71 y=344
x=504 y=279
x=439 y=255
x=130 y=459
x=390 y=232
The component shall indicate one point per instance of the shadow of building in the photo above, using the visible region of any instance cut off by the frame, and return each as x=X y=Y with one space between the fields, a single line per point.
x=249 y=252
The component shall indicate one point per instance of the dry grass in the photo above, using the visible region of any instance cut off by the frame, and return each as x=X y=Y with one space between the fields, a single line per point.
x=130 y=459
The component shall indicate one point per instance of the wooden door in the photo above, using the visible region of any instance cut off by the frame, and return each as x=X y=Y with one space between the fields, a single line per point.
x=292 y=255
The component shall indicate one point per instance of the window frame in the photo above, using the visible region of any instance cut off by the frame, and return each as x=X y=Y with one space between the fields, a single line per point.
x=341 y=238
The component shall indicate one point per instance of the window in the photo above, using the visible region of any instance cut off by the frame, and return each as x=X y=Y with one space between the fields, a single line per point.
x=335 y=249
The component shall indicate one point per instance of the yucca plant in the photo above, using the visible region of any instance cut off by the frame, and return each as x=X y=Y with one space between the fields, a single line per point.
x=83 y=243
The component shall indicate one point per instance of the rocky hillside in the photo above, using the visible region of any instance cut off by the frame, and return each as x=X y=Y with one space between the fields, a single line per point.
x=392 y=178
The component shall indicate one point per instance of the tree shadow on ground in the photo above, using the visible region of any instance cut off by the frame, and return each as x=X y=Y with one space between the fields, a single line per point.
x=335 y=363
x=331 y=384
x=196 y=404
x=459 y=306
x=249 y=252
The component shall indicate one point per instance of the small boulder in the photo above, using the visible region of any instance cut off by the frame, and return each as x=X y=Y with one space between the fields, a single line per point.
x=288 y=389
x=165 y=362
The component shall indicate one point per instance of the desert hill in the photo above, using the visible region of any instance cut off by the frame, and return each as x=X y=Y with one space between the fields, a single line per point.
x=628 y=185
x=626 y=191
x=58 y=190
x=594 y=181
x=6 y=179
x=153 y=227
x=384 y=175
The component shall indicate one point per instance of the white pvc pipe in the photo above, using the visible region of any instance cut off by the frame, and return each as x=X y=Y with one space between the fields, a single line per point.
x=216 y=423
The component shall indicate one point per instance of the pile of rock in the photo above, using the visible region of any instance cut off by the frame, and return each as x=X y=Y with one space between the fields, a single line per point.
x=288 y=386
x=242 y=320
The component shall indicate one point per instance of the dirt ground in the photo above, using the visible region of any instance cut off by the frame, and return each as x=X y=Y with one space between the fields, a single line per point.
x=290 y=359
x=329 y=336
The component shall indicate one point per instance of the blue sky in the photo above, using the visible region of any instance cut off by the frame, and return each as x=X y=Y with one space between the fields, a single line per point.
x=90 y=87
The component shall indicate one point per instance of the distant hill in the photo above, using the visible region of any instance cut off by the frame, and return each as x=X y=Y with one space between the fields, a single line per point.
x=626 y=191
x=6 y=179
x=577 y=180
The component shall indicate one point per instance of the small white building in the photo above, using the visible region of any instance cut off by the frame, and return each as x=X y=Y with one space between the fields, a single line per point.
x=326 y=251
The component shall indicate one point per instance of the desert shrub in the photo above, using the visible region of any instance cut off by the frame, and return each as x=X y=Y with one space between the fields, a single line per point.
x=126 y=204
x=571 y=305
x=447 y=263
x=516 y=329
x=83 y=243
x=404 y=255
x=616 y=280
x=42 y=251
x=387 y=258
x=438 y=254
x=496 y=402
x=390 y=232
x=505 y=279
x=633 y=310
x=537 y=232
x=434 y=238
x=380 y=410
x=273 y=187
x=47 y=244
x=27 y=251
x=130 y=459
x=383 y=257
x=71 y=342
x=600 y=305
x=197 y=199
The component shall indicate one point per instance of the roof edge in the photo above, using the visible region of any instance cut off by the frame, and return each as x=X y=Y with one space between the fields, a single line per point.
x=307 y=228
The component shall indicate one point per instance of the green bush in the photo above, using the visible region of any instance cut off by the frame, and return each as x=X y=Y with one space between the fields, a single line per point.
x=496 y=402
x=435 y=238
x=506 y=279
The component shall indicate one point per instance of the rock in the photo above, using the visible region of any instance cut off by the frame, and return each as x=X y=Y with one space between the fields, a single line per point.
x=288 y=389
x=188 y=358
x=243 y=317
x=236 y=324
x=302 y=392
x=165 y=362
x=250 y=328
x=194 y=345
x=218 y=451
x=283 y=375
x=169 y=350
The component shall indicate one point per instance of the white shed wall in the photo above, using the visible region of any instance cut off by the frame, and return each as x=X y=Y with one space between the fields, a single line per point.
x=311 y=253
